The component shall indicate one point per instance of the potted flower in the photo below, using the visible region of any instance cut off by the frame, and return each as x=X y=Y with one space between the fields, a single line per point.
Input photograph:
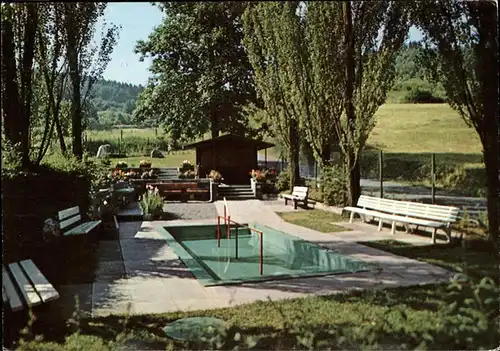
x=258 y=175
x=145 y=164
x=151 y=203
x=215 y=176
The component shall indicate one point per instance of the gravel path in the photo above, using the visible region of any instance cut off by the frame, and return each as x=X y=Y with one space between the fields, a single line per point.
x=190 y=210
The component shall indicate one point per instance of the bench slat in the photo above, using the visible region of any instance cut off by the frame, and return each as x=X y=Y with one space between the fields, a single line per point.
x=83 y=228
x=66 y=223
x=68 y=212
x=10 y=291
x=27 y=290
x=42 y=286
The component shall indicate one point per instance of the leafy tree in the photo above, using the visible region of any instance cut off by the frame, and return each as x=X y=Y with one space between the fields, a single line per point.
x=265 y=26
x=324 y=64
x=201 y=74
x=19 y=26
x=50 y=50
x=86 y=62
x=462 y=52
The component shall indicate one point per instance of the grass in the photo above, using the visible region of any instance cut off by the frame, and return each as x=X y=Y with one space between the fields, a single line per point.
x=422 y=128
x=477 y=263
x=314 y=219
x=397 y=318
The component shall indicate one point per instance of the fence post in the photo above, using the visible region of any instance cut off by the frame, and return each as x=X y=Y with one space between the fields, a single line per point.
x=381 y=173
x=316 y=173
x=121 y=134
x=433 y=178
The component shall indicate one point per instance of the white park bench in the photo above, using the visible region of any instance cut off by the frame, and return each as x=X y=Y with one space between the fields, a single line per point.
x=406 y=212
x=299 y=194
x=71 y=223
x=24 y=285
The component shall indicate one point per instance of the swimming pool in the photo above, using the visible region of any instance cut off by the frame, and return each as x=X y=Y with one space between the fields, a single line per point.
x=239 y=260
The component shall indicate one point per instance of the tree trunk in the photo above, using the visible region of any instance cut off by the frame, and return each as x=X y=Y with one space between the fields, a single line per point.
x=294 y=153
x=214 y=123
x=353 y=171
x=487 y=68
x=26 y=79
x=326 y=153
x=11 y=102
x=60 y=135
x=76 y=116
x=353 y=180
x=492 y=192
x=76 y=103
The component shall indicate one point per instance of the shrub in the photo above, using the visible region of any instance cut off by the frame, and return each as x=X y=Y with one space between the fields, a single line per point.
x=151 y=202
x=11 y=159
x=422 y=96
x=283 y=181
x=467 y=181
x=333 y=185
x=121 y=165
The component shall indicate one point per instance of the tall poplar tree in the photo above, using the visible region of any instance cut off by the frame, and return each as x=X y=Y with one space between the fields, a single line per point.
x=330 y=66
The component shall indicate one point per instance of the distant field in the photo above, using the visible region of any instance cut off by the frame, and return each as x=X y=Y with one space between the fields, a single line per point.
x=115 y=133
x=419 y=128
x=173 y=159
x=414 y=130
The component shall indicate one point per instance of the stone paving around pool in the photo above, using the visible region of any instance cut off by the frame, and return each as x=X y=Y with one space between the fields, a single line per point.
x=140 y=273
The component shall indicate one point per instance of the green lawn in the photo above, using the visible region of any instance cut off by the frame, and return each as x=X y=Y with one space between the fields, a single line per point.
x=314 y=219
x=406 y=318
x=479 y=262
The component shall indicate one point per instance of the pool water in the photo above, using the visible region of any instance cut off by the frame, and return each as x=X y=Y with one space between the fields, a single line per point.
x=238 y=259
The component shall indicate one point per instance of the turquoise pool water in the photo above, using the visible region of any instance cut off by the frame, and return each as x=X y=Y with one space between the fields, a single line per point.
x=238 y=260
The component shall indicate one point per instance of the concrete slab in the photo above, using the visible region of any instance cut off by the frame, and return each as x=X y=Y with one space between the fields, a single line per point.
x=111 y=298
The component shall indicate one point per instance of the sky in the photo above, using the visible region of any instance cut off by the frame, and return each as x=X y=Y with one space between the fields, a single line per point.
x=138 y=19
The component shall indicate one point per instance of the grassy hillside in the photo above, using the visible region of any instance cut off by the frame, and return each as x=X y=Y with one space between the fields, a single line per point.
x=418 y=128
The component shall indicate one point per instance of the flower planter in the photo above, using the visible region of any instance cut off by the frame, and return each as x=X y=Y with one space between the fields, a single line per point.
x=148 y=216
x=256 y=188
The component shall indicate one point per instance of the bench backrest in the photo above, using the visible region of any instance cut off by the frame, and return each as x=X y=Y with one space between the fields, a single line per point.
x=410 y=209
x=300 y=191
x=69 y=217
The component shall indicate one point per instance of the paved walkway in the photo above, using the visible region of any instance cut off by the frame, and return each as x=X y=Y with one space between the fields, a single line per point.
x=140 y=273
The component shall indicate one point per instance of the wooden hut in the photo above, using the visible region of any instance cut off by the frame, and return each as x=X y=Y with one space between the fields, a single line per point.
x=232 y=155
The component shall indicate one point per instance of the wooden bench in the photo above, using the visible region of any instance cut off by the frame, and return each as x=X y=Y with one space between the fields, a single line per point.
x=299 y=194
x=24 y=285
x=71 y=223
x=184 y=189
x=406 y=212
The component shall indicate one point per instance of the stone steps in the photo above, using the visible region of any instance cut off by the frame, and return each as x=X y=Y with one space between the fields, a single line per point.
x=236 y=192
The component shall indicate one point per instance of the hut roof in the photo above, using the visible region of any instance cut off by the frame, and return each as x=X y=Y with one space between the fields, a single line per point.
x=230 y=138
